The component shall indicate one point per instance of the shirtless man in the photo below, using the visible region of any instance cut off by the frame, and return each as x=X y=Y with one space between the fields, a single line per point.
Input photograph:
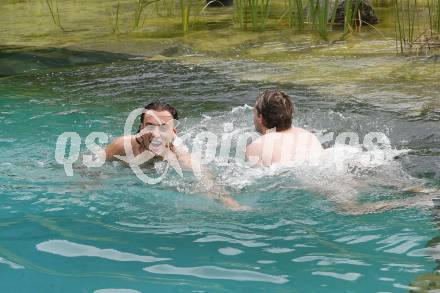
x=281 y=142
x=287 y=145
x=155 y=140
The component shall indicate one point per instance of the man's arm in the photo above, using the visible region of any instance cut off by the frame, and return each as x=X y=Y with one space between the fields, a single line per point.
x=424 y=200
x=115 y=148
x=138 y=143
x=213 y=190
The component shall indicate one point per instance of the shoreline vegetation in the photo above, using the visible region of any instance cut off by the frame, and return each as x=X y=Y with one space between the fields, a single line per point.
x=365 y=64
x=414 y=26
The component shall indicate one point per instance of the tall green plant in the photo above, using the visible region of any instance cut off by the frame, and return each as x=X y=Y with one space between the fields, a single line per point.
x=352 y=15
x=323 y=18
x=255 y=12
x=319 y=12
x=406 y=21
x=434 y=15
x=141 y=5
x=185 y=11
x=116 y=24
x=294 y=13
x=240 y=13
x=55 y=13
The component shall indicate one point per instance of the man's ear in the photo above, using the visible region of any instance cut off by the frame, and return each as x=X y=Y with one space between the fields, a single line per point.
x=260 y=118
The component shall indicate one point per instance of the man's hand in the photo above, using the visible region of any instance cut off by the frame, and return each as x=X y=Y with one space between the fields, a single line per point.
x=233 y=204
x=143 y=138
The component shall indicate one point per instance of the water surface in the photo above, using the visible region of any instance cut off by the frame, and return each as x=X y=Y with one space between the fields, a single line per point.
x=103 y=228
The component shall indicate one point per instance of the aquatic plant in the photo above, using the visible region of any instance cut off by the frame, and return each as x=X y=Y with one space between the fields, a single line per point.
x=55 y=13
x=295 y=14
x=185 y=11
x=352 y=15
x=406 y=21
x=434 y=15
x=115 y=28
x=140 y=9
x=255 y=12
x=319 y=11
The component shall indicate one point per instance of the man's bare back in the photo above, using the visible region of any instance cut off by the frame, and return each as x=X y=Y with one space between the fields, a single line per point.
x=289 y=148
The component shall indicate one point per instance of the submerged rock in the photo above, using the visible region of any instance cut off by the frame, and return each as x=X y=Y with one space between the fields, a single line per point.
x=363 y=7
x=18 y=60
x=176 y=51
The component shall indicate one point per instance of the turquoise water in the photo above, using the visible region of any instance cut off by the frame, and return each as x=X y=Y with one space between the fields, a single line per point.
x=104 y=229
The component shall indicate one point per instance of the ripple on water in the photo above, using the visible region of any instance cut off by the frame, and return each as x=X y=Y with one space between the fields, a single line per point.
x=113 y=290
x=213 y=272
x=11 y=264
x=71 y=249
x=229 y=251
x=346 y=276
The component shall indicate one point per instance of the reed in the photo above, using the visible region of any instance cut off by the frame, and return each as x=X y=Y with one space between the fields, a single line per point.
x=352 y=17
x=55 y=13
x=434 y=15
x=318 y=16
x=185 y=11
x=141 y=5
x=115 y=28
x=323 y=18
x=319 y=13
x=405 y=23
x=294 y=13
x=240 y=13
x=255 y=12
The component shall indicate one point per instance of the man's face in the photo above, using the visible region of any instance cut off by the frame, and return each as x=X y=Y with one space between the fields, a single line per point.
x=161 y=125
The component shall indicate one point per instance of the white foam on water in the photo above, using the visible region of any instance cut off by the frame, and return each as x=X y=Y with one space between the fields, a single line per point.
x=343 y=171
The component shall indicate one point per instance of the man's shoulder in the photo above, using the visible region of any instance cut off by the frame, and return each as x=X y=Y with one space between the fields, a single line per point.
x=257 y=143
x=116 y=147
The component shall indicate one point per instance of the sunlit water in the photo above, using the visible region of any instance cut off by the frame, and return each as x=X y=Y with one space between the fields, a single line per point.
x=104 y=229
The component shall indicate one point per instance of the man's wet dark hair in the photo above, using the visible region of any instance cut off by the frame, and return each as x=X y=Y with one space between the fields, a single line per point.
x=276 y=109
x=159 y=106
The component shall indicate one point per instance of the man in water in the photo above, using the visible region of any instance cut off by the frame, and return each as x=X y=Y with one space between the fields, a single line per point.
x=156 y=140
x=281 y=142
